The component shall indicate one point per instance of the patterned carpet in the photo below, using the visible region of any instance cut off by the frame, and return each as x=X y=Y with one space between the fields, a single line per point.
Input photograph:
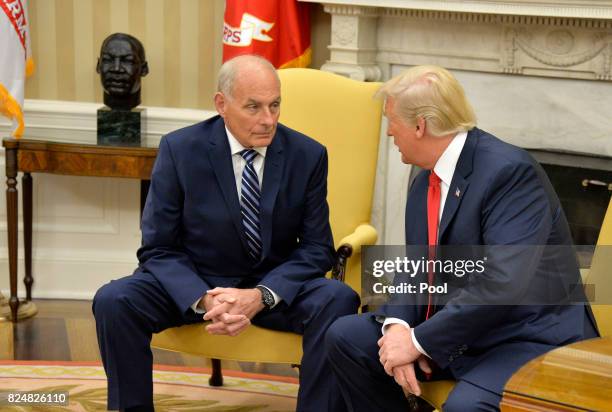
x=176 y=388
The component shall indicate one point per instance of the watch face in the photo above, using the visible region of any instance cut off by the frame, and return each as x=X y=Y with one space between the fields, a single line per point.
x=266 y=297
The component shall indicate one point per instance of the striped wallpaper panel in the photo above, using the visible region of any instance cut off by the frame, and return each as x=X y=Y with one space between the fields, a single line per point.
x=182 y=40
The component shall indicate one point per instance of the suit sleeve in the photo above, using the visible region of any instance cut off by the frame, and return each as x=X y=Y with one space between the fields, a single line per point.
x=314 y=254
x=161 y=253
x=515 y=214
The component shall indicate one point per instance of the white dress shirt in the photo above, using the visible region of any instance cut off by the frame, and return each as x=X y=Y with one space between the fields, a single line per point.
x=239 y=164
x=445 y=169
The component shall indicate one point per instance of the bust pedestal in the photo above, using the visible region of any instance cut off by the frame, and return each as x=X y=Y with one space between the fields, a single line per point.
x=120 y=127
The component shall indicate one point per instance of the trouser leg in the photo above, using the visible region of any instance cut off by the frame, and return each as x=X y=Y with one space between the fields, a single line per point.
x=352 y=350
x=319 y=302
x=467 y=397
x=127 y=312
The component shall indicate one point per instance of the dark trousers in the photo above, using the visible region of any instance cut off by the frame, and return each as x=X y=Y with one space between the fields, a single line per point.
x=129 y=310
x=352 y=350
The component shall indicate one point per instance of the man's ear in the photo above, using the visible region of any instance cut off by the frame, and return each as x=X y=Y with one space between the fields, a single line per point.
x=144 y=69
x=98 y=66
x=421 y=124
x=219 y=99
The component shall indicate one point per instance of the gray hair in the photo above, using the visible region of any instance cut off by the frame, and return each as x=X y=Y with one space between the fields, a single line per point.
x=230 y=69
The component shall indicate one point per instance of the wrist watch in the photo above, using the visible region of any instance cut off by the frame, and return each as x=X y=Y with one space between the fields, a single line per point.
x=266 y=297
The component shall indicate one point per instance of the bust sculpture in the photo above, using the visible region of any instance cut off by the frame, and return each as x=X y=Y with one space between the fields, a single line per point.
x=121 y=65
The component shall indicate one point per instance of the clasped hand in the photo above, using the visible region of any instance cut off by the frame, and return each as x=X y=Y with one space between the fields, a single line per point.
x=398 y=355
x=230 y=309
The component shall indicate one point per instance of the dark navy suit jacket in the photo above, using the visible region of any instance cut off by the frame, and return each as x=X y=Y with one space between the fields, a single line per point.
x=191 y=225
x=498 y=195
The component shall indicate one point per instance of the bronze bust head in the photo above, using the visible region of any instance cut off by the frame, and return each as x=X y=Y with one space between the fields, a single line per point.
x=121 y=65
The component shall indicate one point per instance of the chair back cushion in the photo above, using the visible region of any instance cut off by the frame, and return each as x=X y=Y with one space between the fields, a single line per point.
x=343 y=115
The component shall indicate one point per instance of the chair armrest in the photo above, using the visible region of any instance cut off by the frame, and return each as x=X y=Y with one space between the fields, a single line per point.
x=364 y=234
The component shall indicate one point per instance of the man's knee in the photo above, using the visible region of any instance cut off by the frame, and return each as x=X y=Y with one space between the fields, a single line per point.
x=353 y=334
x=351 y=344
x=338 y=332
x=338 y=336
x=466 y=397
x=103 y=299
x=109 y=299
x=341 y=299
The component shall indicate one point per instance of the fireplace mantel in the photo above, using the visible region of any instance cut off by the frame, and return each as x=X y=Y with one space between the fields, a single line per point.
x=545 y=8
x=562 y=39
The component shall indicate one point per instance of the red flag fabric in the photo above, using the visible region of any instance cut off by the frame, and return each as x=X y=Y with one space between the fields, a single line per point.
x=278 y=30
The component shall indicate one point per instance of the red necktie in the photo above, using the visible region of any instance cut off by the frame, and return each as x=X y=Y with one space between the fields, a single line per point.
x=433 y=211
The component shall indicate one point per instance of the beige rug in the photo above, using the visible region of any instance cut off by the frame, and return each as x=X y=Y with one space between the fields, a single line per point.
x=175 y=388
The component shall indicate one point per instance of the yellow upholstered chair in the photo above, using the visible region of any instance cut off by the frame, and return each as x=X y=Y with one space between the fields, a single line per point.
x=341 y=114
x=599 y=276
x=436 y=392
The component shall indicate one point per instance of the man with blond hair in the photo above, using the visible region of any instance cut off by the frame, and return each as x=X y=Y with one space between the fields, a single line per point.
x=235 y=231
x=474 y=190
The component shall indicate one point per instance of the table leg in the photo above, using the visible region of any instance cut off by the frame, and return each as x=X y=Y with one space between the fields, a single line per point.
x=11 y=225
x=26 y=184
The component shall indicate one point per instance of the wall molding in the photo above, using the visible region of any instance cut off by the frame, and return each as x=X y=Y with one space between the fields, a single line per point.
x=57 y=120
x=50 y=254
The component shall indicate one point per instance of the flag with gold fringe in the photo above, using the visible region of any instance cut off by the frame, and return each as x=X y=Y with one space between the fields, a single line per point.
x=15 y=60
x=278 y=30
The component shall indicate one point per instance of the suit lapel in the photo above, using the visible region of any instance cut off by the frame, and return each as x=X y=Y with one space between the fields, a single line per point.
x=459 y=184
x=271 y=182
x=221 y=160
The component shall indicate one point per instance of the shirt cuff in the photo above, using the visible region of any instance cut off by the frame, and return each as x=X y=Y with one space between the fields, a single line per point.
x=415 y=342
x=277 y=299
x=390 y=321
x=196 y=309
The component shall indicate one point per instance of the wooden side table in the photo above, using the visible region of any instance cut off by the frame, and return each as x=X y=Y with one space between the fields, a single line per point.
x=34 y=156
x=577 y=377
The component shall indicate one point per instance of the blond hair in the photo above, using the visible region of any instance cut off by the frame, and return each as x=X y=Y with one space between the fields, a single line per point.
x=431 y=93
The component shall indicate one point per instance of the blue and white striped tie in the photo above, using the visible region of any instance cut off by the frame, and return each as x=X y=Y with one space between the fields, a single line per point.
x=249 y=204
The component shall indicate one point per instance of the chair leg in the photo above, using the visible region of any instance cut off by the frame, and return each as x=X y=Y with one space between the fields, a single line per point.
x=216 y=379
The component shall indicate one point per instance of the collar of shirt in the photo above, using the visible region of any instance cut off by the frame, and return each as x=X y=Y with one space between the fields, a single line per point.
x=446 y=164
x=236 y=147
